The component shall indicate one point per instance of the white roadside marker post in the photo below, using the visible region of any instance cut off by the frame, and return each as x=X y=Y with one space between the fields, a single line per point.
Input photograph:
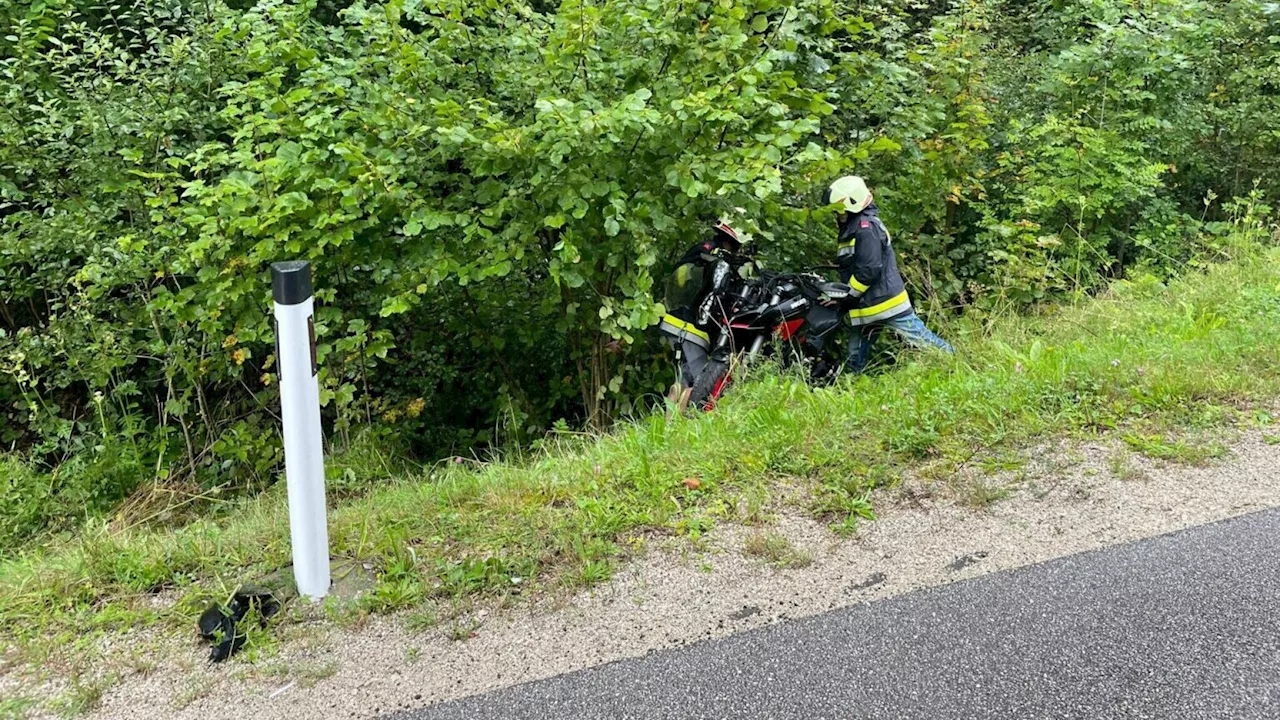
x=300 y=411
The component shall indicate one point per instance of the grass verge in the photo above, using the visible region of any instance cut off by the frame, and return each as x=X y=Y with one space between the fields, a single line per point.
x=1147 y=359
x=776 y=550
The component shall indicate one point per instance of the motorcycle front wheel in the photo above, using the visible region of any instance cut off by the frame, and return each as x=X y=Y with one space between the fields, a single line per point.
x=710 y=384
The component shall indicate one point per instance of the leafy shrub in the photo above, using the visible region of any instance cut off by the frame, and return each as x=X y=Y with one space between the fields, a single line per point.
x=33 y=502
x=489 y=193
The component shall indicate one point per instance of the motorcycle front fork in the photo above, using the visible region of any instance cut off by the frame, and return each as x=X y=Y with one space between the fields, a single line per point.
x=759 y=341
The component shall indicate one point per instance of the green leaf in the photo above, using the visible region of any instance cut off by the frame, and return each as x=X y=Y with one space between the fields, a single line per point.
x=884 y=145
x=571 y=277
x=394 y=306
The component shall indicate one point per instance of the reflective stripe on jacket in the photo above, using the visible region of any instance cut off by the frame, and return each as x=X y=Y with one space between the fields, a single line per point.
x=684 y=331
x=893 y=307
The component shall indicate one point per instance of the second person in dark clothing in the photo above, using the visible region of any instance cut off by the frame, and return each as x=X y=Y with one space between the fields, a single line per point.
x=690 y=289
x=870 y=266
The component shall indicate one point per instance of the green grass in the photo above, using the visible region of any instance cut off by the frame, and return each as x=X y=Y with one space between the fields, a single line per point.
x=981 y=494
x=1142 y=361
x=1179 y=450
x=310 y=673
x=83 y=696
x=1123 y=468
x=776 y=550
x=16 y=708
x=422 y=620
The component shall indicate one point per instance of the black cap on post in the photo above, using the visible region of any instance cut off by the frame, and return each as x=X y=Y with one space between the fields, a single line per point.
x=291 y=282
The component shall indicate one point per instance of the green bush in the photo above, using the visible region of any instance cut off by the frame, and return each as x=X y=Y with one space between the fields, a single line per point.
x=488 y=193
x=34 y=502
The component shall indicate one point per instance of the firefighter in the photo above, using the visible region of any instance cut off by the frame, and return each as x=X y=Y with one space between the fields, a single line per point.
x=868 y=264
x=691 y=290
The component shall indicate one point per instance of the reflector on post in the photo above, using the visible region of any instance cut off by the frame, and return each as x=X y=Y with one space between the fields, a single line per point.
x=300 y=411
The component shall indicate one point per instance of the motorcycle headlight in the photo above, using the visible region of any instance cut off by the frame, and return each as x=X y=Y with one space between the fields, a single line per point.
x=721 y=274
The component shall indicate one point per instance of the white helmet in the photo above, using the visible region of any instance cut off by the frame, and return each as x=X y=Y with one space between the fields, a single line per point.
x=724 y=228
x=850 y=191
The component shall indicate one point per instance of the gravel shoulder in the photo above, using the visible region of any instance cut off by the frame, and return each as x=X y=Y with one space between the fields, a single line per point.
x=1066 y=500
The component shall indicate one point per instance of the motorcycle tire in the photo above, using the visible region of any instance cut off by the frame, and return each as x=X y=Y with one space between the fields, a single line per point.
x=707 y=383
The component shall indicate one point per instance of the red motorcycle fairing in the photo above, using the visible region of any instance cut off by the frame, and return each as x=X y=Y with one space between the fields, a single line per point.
x=788 y=330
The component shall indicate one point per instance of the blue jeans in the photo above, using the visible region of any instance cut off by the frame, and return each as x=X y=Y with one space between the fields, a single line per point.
x=909 y=327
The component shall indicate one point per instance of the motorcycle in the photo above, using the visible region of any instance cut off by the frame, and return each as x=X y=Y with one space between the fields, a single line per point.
x=802 y=311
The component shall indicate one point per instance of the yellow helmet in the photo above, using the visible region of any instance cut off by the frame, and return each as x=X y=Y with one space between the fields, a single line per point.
x=850 y=191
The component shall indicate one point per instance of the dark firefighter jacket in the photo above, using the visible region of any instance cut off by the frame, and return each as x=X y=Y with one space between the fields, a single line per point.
x=868 y=264
x=688 y=288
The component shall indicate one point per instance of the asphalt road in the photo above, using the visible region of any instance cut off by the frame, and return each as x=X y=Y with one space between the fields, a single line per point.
x=1180 y=626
